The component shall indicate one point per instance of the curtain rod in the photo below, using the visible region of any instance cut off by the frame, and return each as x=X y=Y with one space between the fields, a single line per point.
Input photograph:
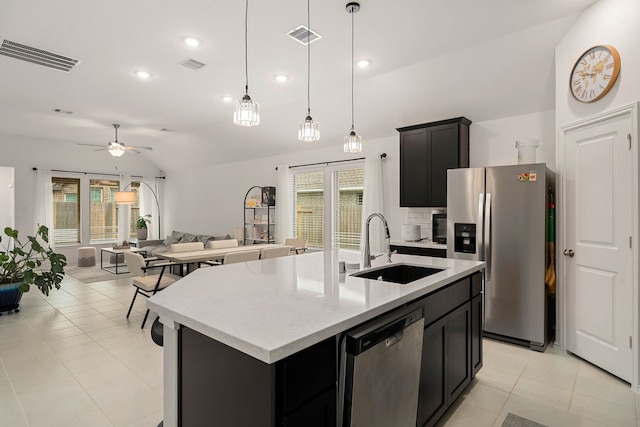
x=99 y=173
x=382 y=156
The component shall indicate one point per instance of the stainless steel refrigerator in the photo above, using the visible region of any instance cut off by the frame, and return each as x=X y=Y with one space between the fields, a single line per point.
x=500 y=215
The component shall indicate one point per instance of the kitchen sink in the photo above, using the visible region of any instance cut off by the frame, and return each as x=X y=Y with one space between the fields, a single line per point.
x=398 y=273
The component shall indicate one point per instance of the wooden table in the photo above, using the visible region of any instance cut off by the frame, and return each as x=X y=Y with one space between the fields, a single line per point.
x=211 y=254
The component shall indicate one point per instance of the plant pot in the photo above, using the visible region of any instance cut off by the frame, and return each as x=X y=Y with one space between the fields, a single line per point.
x=10 y=296
x=141 y=233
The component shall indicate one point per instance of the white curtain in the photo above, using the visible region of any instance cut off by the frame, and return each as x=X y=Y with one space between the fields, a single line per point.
x=44 y=202
x=124 y=212
x=373 y=202
x=284 y=204
x=149 y=205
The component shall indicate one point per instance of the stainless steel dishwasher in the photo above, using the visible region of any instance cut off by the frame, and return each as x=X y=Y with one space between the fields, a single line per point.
x=382 y=371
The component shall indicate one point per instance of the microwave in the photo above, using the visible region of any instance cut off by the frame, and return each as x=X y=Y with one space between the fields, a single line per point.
x=439 y=228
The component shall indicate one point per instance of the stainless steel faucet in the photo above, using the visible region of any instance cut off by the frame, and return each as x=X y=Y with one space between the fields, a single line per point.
x=367 y=251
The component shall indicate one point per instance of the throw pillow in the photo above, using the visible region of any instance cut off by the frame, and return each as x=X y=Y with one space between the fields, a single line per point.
x=204 y=239
x=170 y=240
x=188 y=238
x=177 y=234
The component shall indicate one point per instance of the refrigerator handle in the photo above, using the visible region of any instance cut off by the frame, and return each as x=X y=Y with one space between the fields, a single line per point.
x=487 y=235
x=480 y=250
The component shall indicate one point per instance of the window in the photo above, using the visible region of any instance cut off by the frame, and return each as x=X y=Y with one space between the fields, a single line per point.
x=103 y=212
x=66 y=210
x=85 y=210
x=348 y=209
x=309 y=211
x=328 y=207
x=96 y=194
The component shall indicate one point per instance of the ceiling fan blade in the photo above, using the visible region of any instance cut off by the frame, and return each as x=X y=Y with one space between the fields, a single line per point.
x=130 y=147
x=101 y=149
x=90 y=145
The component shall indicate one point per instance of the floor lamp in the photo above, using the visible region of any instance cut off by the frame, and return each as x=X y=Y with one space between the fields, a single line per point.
x=129 y=197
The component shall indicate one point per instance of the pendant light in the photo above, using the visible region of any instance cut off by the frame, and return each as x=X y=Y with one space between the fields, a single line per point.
x=308 y=130
x=352 y=142
x=246 y=112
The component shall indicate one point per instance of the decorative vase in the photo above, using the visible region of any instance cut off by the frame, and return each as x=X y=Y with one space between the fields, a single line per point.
x=141 y=233
x=10 y=296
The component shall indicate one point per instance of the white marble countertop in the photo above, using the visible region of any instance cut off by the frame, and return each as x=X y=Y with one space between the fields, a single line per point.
x=270 y=309
x=420 y=244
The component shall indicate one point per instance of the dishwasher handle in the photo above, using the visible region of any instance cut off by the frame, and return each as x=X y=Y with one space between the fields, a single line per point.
x=388 y=331
x=394 y=339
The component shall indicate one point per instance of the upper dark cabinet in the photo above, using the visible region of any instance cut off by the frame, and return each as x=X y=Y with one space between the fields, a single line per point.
x=426 y=152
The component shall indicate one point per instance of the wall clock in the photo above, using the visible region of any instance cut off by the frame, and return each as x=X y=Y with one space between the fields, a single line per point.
x=594 y=73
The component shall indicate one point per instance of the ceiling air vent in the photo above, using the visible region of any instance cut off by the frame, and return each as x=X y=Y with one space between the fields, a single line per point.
x=192 y=63
x=37 y=56
x=304 y=35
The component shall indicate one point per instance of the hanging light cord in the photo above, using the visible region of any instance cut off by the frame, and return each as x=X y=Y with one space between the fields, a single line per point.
x=308 y=59
x=352 y=127
x=246 y=48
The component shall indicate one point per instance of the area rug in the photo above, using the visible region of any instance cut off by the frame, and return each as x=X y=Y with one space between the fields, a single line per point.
x=93 y=274
x=513 y=420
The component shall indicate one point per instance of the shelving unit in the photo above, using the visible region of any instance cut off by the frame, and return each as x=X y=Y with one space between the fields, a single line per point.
x=259 y=215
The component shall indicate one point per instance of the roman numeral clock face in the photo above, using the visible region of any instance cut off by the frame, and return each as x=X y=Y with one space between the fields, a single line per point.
x=595 y=73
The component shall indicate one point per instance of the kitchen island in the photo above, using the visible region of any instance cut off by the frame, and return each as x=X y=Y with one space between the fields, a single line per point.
x=247 y=343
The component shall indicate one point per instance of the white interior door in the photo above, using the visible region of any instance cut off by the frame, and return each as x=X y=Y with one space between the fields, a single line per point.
x=598 y=254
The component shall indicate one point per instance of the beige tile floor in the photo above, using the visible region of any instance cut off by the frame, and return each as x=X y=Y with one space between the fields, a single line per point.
x=72 y=359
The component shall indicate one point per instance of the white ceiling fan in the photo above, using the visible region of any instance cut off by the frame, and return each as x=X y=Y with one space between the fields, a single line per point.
x=117 y=148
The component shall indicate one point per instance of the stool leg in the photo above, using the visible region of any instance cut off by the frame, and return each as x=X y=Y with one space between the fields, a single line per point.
x=132 y=301
x=145 y=319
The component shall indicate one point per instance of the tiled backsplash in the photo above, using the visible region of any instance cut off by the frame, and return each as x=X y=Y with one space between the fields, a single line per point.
x=422 y=217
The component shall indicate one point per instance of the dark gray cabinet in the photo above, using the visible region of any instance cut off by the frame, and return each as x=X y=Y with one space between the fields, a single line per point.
x=221 y=384
x=450 y=355
x=427 y=151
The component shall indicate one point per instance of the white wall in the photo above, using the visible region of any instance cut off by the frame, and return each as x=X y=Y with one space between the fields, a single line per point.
x=209 y=200
x=613 y=22
x=24 y=154
x=7 y=197
x=493 y=141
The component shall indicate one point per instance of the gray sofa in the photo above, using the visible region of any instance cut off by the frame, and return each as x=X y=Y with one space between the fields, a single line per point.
x=155 y=247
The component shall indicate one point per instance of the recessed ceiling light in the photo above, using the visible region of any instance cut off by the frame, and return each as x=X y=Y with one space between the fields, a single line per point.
x=281 y=78
x=192 y=41
x=143 y=74
x=363 y=63
x=227 y=98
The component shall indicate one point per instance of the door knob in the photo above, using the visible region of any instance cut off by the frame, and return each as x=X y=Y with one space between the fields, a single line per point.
x=569 y=253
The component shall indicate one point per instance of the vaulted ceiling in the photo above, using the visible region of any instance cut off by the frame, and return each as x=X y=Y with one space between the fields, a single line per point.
x=430 y=60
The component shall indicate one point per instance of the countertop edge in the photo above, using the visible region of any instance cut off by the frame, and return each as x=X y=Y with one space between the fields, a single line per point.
x=272 y=355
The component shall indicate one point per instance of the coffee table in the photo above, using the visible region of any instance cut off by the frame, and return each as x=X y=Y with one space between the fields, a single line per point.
x=119 y=267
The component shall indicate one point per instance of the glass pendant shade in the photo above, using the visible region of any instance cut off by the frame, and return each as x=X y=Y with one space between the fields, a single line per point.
x=308 y=130
x=352 y=143
x=246 y=112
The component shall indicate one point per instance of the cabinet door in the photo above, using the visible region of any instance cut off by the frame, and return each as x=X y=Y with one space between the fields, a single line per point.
x=319 y=412
x=414 y=168
x=432 y=397
x=458 y=351
x=476 y=334
x=443 y=143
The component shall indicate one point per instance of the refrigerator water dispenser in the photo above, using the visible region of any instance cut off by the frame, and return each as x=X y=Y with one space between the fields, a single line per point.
x=465 y=238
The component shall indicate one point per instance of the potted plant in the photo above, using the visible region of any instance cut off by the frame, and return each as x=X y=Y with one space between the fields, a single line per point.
x=141 y=226
x=26 y=263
